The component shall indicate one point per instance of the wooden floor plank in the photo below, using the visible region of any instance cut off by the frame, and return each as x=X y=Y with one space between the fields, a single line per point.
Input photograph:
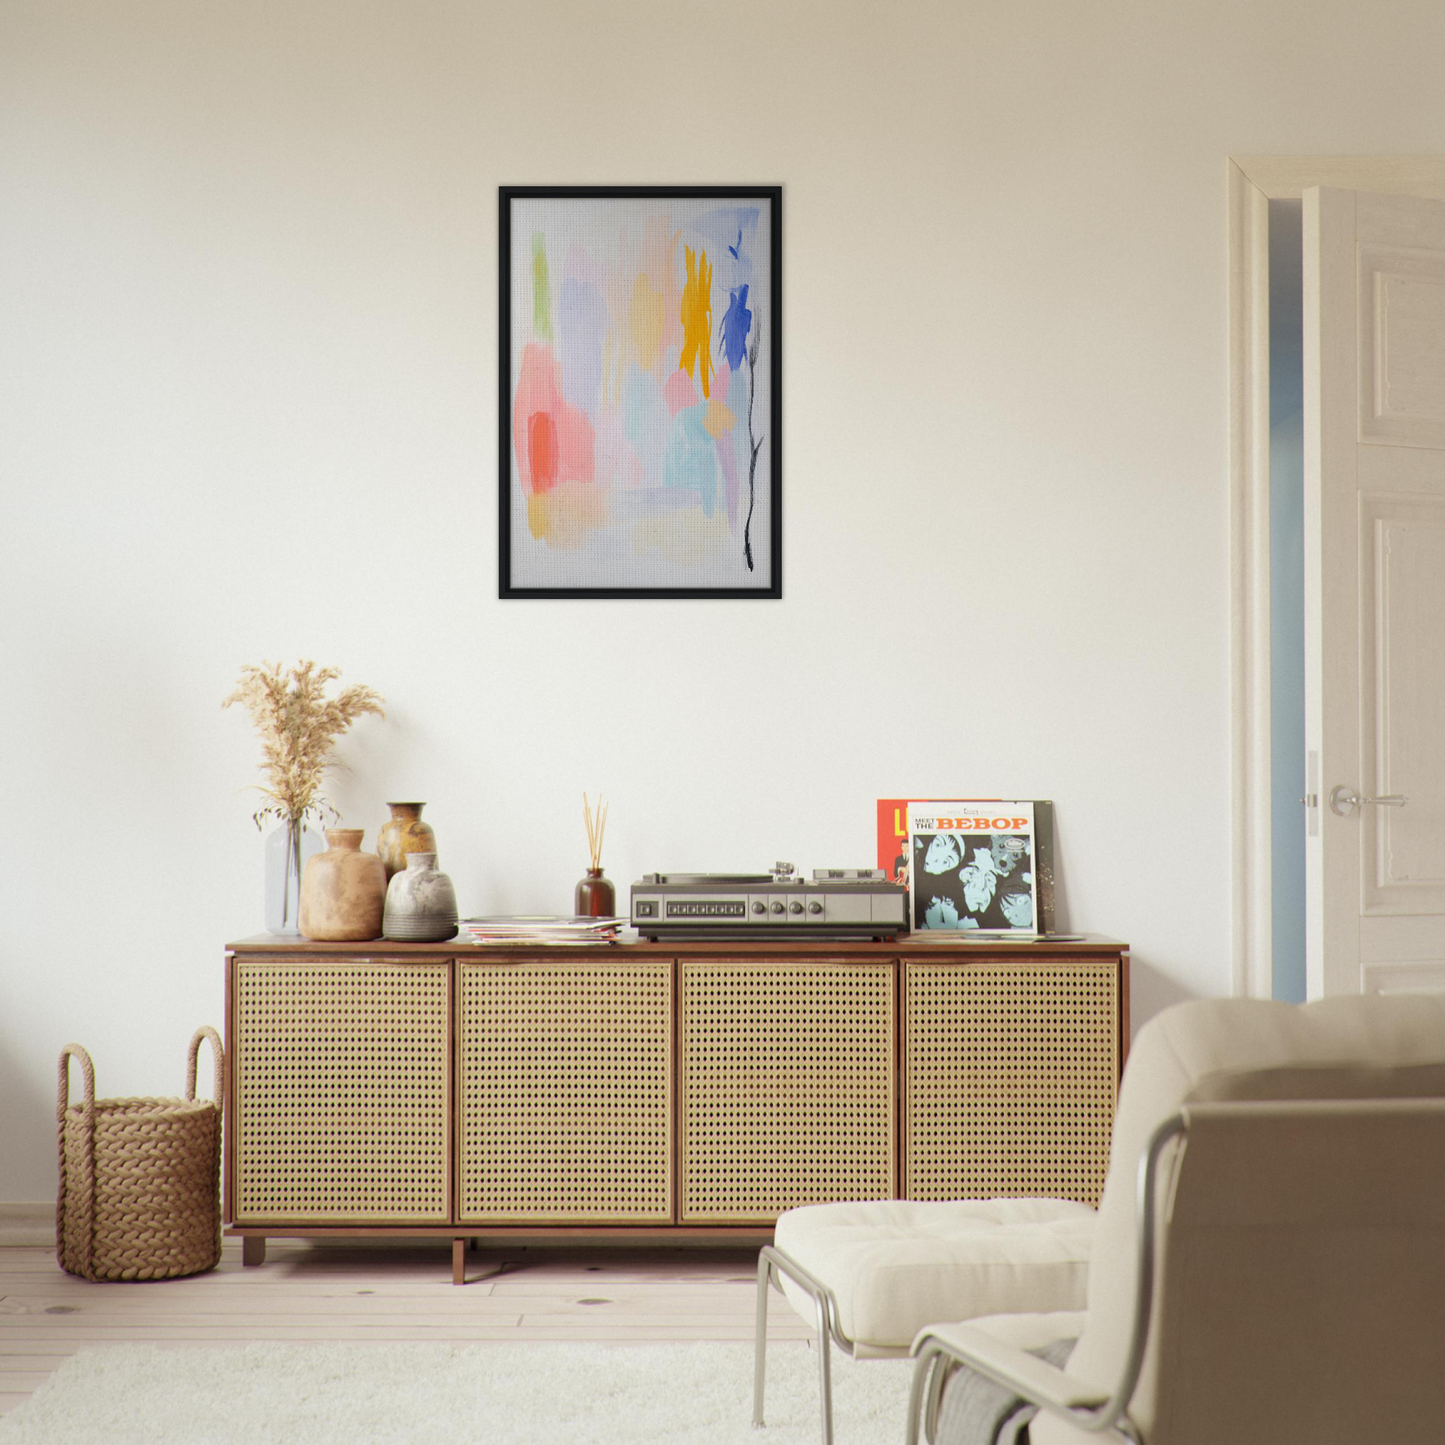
x=339 y=1327
x=39 y=1361
x=23 y=1381
x=66 y=1290
x=45 y=1310
x=551 y=1332
x=56 y=1309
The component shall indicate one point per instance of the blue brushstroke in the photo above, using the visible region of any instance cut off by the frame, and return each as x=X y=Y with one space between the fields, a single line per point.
x=581 y=325
x=691 y=459
x=738 y=247
x=735 y=327
x=646 y=419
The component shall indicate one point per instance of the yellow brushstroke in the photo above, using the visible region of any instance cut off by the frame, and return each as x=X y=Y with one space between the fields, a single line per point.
x=696 y=317
x=718 y=418
x=568 y=514
x=541 y=291
x=645 y=323
x=688 y=536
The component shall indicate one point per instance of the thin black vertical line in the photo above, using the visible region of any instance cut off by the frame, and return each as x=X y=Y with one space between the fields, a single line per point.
x=775 y=451
x=504 y=390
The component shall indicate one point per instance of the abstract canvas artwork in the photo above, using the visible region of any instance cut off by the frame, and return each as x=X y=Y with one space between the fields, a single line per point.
x=640 y=392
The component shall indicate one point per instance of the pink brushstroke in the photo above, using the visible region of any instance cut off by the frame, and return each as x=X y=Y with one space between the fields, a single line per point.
x=540 y=414
x=679 y=392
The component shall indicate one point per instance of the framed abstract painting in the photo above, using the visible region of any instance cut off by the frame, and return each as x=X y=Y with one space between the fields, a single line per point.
x=641 y=384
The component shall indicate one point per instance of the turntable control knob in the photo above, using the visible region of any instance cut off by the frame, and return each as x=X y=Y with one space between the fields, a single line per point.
x=777 y=908
x=795 y=907
x=759 y=906
x=815 y=907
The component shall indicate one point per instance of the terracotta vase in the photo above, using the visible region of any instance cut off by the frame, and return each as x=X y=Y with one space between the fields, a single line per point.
x=421 y=904
x=404 y=833
x=343 y=890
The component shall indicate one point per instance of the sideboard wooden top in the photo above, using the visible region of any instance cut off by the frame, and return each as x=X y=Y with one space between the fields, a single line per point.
x=905 y=945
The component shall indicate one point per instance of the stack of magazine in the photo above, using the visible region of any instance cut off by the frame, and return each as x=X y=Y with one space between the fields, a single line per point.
x=528 y=929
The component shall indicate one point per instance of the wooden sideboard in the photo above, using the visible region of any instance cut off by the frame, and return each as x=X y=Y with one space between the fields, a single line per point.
x=657 y=1091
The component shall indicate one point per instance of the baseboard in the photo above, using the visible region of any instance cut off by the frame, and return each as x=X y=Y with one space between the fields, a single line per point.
x=29 y=1223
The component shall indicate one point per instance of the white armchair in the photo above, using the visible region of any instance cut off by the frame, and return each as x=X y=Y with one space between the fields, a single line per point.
x=870 y=1275
x=1269 y=1259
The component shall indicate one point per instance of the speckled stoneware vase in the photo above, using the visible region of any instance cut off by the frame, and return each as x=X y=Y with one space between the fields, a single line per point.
x=403 y=833
x=421 y=904
x=343 y=890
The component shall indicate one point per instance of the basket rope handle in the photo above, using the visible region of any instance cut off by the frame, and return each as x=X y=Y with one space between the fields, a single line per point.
x=87 y=1070
x=84 y=1187
x=218 y=1056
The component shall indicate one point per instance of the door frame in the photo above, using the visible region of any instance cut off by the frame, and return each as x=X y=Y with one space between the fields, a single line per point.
x=1252 y=182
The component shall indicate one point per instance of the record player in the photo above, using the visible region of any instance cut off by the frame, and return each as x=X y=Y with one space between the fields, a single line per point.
x=834 y=903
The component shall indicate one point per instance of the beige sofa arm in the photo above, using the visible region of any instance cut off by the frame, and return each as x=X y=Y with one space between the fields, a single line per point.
x=940 y=1347
x=1024 y=1373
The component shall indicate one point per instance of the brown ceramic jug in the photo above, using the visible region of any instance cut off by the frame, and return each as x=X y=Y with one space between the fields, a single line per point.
x=343 y=890
x=403 y=833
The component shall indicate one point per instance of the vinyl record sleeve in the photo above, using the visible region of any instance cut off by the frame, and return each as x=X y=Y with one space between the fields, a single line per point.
x=896 y=860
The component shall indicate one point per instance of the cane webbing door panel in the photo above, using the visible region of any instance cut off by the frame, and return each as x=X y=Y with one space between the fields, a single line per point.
x=342 y=1091
x=566 y=1091
x=1010 y=1075
x=787 y=1079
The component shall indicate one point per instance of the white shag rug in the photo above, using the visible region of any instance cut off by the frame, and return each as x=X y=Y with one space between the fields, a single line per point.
x=479 y=1394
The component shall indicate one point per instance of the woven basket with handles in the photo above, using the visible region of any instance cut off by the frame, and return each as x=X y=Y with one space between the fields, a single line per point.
x=139 y=1178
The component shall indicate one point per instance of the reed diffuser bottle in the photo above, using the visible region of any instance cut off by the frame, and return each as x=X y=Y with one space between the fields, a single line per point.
x=595 y=896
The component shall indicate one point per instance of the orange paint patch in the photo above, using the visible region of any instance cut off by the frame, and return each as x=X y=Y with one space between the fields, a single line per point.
x=718 y=418
x=542 y=450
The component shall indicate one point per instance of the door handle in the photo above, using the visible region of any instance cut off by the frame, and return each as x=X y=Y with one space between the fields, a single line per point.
x=1344 y=800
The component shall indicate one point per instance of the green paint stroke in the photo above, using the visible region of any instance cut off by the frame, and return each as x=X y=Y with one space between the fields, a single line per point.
x=541 y=291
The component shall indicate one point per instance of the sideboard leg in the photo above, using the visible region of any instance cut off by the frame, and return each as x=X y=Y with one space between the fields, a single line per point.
x=459 y=1261
x=253 y=1249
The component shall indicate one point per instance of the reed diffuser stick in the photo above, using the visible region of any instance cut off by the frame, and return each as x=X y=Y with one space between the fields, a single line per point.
x=596 y=827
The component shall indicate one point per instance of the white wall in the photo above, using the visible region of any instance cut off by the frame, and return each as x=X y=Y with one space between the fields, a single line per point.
x=248 y=338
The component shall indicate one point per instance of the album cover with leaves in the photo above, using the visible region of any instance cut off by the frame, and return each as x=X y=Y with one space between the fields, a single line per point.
x=972 y=864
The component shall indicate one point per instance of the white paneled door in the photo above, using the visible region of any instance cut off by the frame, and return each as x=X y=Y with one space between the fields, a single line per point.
x=1374 y=282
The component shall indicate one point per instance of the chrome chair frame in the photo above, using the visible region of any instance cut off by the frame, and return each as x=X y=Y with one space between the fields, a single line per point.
x=771 y=1264
x=937 y=1358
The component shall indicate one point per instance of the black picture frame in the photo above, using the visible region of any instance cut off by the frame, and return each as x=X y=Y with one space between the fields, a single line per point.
x=510 y=489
